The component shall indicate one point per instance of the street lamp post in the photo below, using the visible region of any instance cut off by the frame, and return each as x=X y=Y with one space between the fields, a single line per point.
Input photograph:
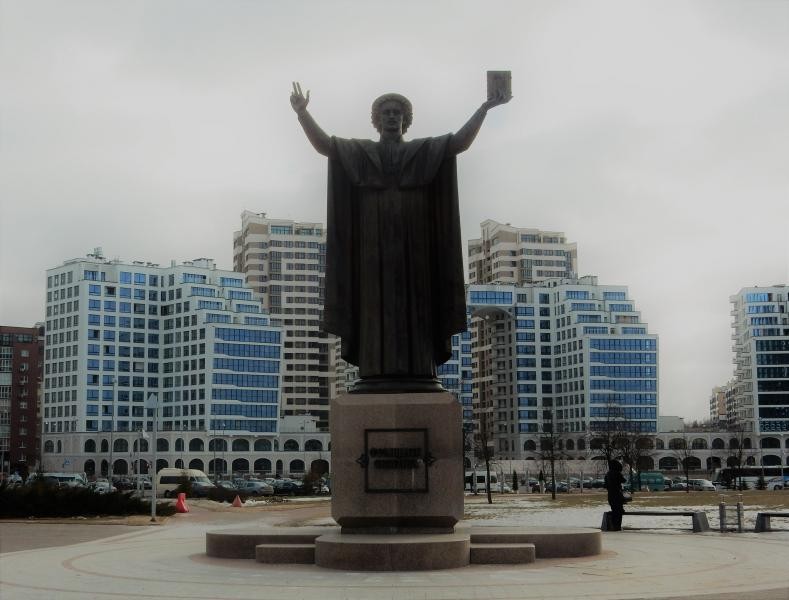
x=225 y=470
x=112 y=429
x=153 y=402
x=214 y=445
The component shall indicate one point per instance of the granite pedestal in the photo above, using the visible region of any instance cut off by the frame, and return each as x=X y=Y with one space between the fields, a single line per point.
x=397 y=463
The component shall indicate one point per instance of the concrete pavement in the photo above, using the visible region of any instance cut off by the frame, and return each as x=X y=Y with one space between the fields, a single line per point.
x=170 y=562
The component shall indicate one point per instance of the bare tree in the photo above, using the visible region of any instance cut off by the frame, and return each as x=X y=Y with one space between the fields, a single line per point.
x=635 y=446
x=737 y=453
x=683 y=451
x=551 y=447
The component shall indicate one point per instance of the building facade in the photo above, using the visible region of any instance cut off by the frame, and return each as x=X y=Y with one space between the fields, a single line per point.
x=21 y=367
x=761 y=357
x=565 y=355
x=518 y=255
x=720 y=399
x=188 y=339
x=284 y=263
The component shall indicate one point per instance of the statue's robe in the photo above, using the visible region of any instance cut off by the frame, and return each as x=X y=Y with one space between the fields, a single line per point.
x=394 y=268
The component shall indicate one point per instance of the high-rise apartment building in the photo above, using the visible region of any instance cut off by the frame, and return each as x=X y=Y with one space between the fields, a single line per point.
x=719 y=400
x=284 y=262
x=191 y=337
x=566 y=354
x=21 y=366
x=761 y=357
x=518 y=255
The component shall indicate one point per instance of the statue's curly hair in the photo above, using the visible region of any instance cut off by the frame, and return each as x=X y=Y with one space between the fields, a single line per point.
x=408 y=111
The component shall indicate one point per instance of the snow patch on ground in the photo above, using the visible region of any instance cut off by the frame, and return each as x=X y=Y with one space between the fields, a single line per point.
x=544 y=514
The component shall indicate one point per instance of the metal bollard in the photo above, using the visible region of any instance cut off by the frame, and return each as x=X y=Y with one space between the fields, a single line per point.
x=722 y=514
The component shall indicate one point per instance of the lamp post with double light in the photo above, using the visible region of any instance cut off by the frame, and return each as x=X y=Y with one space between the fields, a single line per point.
x=153 y=403
x=112 y=429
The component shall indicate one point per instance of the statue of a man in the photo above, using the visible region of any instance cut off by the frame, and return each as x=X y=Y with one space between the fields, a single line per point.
x=394 y=264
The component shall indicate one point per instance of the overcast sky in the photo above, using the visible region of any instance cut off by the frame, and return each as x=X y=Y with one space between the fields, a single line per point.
x=654 y=134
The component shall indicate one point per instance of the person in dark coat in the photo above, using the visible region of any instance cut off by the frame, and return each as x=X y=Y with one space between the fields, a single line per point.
x=616 y=499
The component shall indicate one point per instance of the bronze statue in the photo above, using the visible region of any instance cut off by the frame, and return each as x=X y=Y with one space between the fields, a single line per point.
x=394 y=268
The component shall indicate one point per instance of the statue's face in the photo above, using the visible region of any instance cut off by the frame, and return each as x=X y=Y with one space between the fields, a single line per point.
x=391 y=117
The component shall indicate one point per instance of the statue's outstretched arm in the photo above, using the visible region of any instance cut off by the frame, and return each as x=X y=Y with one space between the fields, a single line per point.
x=464 y=137
x=317 y=137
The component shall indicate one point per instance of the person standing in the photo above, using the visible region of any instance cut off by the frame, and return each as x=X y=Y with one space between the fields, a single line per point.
x=616 y=499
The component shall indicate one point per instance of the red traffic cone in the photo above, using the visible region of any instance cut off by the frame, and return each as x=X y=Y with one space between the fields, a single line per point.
x=237 y=502
x=180 y=505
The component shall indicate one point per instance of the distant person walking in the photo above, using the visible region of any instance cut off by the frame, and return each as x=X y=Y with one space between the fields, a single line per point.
x=616 y=499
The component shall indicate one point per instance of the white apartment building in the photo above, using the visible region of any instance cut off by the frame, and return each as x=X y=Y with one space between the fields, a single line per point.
x=761 y=357
x=284 y=262
x=189 y=339
x=567 y=354
x=519 y=255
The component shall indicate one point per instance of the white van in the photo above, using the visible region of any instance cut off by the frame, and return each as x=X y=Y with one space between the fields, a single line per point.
x=168 y=480
x=481 y=484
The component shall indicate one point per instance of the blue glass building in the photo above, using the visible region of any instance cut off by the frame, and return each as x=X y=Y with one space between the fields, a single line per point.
x=567 y=353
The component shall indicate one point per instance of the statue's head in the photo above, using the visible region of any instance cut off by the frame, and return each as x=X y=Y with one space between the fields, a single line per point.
x=387 y=100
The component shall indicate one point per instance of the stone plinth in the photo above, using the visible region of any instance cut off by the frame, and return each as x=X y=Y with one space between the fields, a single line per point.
x=478 y=545
x=397 y=462
x=401 y=552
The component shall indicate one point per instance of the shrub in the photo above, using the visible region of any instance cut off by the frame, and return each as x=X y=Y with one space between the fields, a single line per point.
x=45 y=500
x=185 y=487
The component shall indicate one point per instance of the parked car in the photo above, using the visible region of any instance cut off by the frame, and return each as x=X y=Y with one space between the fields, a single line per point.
x=227 y=484
x=122 y=483
x=102 y=486
x=59 y=479
x=288 y=488
x=778 y=483
x=701 y=485
x=255 y=488
x=561 y=487
x=143 y=481
x=678 y=486
x=200 y=488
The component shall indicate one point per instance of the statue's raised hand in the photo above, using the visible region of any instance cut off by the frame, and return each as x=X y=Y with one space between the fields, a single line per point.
x=498 y=98
x=298 y=100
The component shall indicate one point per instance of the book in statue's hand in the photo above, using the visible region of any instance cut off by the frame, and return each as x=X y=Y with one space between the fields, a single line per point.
x=499 y=82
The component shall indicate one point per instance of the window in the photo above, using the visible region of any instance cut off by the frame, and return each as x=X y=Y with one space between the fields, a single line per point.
x=488 y=297
x=230 y=282
x=193 y=278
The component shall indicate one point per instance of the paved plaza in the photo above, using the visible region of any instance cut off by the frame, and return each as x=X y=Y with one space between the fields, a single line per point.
x=168 y=561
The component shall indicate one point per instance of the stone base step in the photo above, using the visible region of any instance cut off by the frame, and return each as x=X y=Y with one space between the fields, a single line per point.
x=502 y=554
x=359 y=552
x=287 y=553
x=402 y=551
x=549 y=542
x=240 y=543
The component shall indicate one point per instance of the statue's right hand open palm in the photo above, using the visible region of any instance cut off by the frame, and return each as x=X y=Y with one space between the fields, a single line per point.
x=298 y=100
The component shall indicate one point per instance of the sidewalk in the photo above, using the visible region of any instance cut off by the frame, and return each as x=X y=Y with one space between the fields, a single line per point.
x=169 y=562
